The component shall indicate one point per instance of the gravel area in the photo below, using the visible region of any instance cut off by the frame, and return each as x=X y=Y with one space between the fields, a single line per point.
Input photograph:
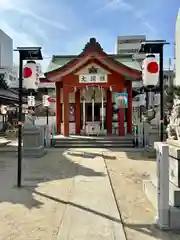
x=127 y=172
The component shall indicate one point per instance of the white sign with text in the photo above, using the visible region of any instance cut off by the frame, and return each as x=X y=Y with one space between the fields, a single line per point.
x=93 y=78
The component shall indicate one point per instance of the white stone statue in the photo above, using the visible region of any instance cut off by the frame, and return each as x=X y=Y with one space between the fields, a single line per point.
x=173 y=128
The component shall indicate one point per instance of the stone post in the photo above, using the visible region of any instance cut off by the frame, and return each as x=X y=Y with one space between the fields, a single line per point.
x=163 y=217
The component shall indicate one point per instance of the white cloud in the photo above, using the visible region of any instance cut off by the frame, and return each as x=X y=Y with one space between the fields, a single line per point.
x=19 y=38
x=22 y=39
x=23 y=8
x=32 y=30
x=116 y=5
x=149 y=27
x=5 y=5
x=124 y=5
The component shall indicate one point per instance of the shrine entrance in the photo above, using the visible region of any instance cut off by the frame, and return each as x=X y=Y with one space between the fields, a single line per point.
x=90 y=84
x=93 y=108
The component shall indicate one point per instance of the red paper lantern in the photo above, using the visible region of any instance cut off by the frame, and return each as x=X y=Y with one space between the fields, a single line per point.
x=150 y=71
x=27 y=72
x=153 y=67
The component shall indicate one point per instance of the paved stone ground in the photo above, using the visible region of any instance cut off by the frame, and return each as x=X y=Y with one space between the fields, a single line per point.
x=35 y=211
x=63 y=192
x=92 y=213
x=66 y=195
x=127 y=172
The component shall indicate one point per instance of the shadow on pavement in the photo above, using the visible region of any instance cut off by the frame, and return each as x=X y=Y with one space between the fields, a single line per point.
x=90 y=154
x=53 y=166
x=75 y=205
x=152 y=230
x=132 y=154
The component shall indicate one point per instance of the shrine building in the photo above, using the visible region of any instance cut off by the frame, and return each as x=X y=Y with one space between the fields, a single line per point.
x=88 y=87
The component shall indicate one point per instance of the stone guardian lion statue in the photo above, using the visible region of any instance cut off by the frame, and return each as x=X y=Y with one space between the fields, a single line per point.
x=173 y=128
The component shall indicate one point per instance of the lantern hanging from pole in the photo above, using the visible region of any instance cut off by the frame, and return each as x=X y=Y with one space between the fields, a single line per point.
x=31 y=75
x=150 y=71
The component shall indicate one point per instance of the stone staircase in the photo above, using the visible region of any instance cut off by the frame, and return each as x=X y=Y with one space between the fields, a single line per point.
x=93 y=142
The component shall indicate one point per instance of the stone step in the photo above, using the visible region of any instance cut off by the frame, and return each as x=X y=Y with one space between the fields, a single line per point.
x=91 y=145
x=91 y=141
x=94 y=142
x=94 y=139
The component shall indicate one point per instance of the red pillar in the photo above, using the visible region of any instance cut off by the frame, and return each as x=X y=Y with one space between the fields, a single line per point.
x=121 y=131
x=78 y=111
x=109 y=111
x=58 y=108
x=129 y=111
x=66 y=110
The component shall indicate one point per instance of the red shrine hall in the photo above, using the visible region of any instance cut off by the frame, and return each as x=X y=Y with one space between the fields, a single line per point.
x=87 y=86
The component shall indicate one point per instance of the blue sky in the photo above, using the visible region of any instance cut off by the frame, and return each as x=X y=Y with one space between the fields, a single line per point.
x=64 y=26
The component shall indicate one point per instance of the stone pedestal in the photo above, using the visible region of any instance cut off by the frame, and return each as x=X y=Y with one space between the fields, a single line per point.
x=174 y=161
x=33 y=141
x=174 y=182
x=174 y=171
x=151 y=186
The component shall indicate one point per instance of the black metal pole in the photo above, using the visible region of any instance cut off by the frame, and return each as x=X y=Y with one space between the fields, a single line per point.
x=161 y=83
x=47 y=116
x=147 y=98
x=20 y=121
x=47 y=112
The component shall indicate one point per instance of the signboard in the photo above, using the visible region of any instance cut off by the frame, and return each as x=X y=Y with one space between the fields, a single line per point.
x=31 y=101
x=121 y=99
x=46 y=100
x=93 y=78
x=3 y=109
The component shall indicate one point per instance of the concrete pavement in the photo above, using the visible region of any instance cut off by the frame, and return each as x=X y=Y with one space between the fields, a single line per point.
x=91 y=212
